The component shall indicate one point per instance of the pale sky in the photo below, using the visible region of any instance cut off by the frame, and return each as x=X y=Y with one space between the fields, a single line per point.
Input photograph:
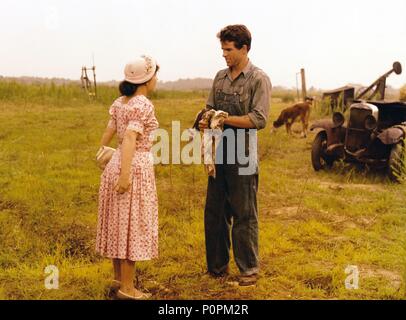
x=336 y=41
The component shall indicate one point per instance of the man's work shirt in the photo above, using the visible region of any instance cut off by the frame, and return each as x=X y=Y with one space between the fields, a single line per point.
x=248 y=94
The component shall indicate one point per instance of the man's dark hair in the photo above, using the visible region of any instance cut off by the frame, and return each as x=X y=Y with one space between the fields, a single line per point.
x=238 y=33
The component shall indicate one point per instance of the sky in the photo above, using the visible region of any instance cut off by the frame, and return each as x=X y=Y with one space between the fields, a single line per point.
x=335 y=41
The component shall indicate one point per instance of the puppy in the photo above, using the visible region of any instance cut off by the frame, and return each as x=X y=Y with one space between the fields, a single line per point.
x=214 y=120
x=289 y=115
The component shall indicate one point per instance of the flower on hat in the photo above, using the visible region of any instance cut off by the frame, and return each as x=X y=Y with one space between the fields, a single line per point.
x=148 y=63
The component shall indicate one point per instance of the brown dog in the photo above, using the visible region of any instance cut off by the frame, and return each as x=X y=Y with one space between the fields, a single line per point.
x=289 y=115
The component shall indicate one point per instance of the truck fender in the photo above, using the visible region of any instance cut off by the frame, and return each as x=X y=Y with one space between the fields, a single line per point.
x=335 y=135
x=392 y=135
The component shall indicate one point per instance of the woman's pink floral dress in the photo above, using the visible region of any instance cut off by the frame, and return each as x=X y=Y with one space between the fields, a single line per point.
x=127 y=225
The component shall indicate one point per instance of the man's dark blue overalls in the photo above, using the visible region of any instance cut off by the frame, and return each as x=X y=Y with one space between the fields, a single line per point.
x=231 y=201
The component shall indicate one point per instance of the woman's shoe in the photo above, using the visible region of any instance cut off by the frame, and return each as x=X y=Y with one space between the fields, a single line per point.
x=113 y=288
x=115 y=285
x=124 y=296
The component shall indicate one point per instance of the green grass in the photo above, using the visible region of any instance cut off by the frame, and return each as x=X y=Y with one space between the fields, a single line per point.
x=312 y=225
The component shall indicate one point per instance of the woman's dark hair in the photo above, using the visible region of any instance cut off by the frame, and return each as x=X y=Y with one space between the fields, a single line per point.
x=128 y=89
x=238 y=33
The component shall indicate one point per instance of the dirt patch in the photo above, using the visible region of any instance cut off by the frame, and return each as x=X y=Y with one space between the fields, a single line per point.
x=336 y=221
x=289 y=212
x=348 y=186
x=366 y=222
x=394 y=278
x=300 y=213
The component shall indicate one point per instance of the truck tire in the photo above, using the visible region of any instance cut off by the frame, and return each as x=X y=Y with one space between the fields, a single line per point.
x=396 y=163
x=319 y=159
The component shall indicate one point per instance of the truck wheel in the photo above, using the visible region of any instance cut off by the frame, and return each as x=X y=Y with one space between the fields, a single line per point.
x=319 y=159
x=396 y=163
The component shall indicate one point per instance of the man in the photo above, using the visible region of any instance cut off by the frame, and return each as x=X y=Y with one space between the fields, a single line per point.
x=242 y=90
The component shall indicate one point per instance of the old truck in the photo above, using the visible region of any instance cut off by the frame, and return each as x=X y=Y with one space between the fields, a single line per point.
x=374 y=134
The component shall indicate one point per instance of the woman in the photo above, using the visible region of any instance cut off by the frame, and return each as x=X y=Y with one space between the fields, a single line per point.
x=127 y=229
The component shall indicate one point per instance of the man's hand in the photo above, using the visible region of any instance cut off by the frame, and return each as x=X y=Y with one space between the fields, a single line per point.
x=203 y=125
x=205 y=119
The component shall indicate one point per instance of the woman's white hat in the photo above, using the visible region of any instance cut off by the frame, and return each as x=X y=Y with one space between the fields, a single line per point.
x=140 y=70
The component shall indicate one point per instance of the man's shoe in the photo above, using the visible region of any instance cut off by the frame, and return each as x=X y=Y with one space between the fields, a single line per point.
x=218 y=275
x=248 y=281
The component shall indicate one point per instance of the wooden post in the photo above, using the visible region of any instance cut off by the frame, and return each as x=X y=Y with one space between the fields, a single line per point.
x=304 y=92
x=94 y=79
x=91 y=89
x=297 y=87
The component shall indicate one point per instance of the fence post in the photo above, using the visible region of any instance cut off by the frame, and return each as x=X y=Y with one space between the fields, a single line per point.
x=304 y=91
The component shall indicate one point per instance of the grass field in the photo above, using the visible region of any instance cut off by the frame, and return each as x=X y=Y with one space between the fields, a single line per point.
x=312 y=225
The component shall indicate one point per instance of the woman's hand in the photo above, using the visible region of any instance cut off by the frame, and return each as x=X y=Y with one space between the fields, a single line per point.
x=127 y=153
x=123 y=184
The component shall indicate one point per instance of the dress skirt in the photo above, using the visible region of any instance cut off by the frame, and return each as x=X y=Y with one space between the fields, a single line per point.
x=127 y=225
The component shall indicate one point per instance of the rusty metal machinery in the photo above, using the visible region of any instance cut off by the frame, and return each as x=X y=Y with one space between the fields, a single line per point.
x=380 y=84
